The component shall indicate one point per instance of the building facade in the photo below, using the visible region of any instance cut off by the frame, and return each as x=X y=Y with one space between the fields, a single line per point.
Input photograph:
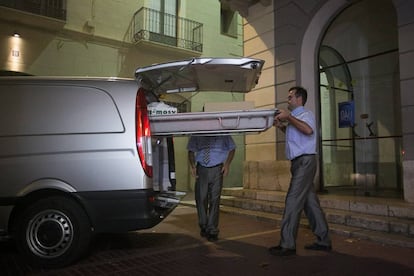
x=110 y=38
x=356 y=59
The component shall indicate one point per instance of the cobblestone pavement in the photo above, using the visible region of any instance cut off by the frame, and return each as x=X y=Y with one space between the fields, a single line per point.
x=174 y=247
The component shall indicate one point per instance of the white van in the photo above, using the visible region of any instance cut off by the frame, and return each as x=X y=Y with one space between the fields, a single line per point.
x=80 y=155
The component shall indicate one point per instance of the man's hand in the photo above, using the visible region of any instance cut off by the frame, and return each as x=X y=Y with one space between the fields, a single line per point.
x=225 y=170
x=283 y=115
x=280 y=118
x=193 y=168
x=194 y=172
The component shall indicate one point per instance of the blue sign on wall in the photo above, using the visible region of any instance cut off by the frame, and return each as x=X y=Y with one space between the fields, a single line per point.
x=346 y=114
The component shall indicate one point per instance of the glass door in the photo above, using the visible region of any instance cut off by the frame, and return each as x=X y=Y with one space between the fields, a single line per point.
x=360 y=129
x=337 y=144
x=360 y=102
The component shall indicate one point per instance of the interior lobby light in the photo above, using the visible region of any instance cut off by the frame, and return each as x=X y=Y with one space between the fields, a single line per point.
x=16 y=34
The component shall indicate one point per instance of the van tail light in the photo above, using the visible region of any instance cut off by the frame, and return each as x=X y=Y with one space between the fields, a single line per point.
x=143 y=133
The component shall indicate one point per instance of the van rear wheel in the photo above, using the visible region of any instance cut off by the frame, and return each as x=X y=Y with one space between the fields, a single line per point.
x=53 y=232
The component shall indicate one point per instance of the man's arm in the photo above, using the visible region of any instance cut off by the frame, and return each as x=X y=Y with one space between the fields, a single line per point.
x=191 y=159
x=226 y=166
x=299 y=124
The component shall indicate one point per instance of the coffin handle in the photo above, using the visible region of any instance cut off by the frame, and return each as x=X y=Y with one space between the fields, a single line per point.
x=230 y=124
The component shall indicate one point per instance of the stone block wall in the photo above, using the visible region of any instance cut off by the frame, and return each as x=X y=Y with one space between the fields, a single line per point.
x=266 y=175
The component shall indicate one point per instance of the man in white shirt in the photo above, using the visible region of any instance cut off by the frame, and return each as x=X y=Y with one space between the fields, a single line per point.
x=301 y=151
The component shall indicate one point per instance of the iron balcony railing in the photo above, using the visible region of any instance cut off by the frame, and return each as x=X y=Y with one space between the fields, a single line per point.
x=49 y=8
x=155 y=26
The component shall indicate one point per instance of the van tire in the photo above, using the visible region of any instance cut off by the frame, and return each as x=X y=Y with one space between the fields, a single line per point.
x=53 y=232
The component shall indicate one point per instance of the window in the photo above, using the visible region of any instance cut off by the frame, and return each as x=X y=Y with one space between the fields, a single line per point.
x=228 y=21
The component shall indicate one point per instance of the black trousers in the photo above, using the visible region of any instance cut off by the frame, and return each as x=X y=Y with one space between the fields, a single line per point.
x=301 y=196
x=208 y=188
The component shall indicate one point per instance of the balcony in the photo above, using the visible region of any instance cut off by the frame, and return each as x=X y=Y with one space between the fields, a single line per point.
x=44 y=14
x=48 y=8
x=167 y=29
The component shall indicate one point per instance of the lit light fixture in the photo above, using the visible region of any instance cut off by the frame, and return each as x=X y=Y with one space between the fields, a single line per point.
x=16 y=34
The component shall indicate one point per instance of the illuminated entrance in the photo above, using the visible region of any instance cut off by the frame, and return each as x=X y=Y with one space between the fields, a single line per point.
x=360 y=102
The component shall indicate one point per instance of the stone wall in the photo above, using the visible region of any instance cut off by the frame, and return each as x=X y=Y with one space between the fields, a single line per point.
x=266 y=175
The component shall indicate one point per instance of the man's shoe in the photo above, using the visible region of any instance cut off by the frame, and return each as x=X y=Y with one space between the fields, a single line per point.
x=274 y=249
x=318 y=247
x=212 y=238
x=203 y=233
x=280 y=251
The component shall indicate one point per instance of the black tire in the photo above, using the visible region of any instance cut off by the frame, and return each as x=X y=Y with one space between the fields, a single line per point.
x=53 y=232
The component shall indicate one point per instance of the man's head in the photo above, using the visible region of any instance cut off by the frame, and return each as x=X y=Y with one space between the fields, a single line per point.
x=297 y=97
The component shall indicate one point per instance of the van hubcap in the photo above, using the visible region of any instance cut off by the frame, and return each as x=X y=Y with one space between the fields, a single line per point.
x=50 y=234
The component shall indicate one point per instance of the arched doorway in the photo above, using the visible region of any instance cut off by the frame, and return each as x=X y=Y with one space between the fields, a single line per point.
x=360 y=102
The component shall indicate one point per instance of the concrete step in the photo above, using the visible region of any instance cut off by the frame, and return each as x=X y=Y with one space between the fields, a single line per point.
x=253 y=204
x=385 y=220
x=365 y=205
x=379 y=223
x=339 y=216
x=275 y=196
x=340 y=229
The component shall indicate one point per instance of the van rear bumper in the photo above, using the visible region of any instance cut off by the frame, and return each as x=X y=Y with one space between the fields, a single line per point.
x=124 y=210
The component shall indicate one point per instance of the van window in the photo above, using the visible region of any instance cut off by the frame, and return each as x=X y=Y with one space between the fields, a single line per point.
x=56 y=109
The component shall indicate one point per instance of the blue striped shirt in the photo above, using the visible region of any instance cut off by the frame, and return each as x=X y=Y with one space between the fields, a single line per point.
x=220 y=146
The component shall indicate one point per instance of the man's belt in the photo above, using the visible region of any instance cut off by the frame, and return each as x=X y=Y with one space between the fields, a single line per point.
x=303 y=155
x=218 y=165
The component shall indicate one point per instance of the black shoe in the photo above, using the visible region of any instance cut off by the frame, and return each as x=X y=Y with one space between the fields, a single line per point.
x=212 y=238
x=280 y=251
x=275 y=249
x=318 y=247
x=203 y=233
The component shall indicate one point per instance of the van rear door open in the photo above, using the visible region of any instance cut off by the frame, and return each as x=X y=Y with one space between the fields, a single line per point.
x=206 y=74
x=201 y=74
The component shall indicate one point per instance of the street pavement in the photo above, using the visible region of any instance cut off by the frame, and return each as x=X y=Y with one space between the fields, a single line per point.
x=174 y=247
